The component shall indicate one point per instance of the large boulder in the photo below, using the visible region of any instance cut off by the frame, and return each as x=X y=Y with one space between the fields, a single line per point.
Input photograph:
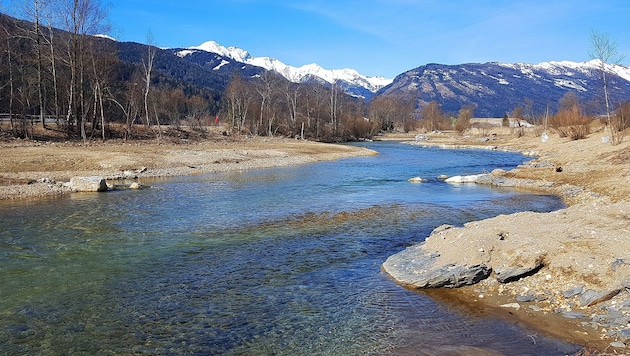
x=415 y=268
x=88 y=184
x=468 y=179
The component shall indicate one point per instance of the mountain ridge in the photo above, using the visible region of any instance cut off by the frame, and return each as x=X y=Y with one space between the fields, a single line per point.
x=351 y=80
x=492 y=88
x=495 y=88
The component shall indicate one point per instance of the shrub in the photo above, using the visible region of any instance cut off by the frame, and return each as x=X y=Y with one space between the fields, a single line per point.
x=622 y=116
x=462 y=124
x=570 y=122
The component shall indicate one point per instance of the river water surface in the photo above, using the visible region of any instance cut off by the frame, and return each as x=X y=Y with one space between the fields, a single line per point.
x=282 y=261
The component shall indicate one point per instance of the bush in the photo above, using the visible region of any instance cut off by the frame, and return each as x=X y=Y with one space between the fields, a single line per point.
x=358 y=128
x=569 y=122
x=622 y=116
x=462 y=124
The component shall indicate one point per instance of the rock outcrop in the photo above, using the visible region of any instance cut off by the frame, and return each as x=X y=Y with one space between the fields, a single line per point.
x=575 y=269
x=415 y=268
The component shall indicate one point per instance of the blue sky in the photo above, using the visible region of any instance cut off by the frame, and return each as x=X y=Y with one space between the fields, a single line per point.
x=380 y=37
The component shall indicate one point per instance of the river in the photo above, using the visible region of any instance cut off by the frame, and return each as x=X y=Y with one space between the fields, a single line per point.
x=282 y=261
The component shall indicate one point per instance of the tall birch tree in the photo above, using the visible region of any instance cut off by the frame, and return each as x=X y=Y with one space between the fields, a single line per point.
x=604 y=50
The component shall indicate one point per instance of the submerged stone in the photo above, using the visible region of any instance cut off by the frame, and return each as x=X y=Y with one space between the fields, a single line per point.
x=417 y=180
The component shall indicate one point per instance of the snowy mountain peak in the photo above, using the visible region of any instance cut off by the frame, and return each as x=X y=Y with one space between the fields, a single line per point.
x=350 y=77
x=235 y=53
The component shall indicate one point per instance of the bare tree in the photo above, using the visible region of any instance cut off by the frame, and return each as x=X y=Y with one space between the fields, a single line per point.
x=9 y=66
x=49 y=41
x=383 y=111
x=33 y=10
x=128 y=104
x=238 y=101
x=604 y=49
x=292 y=93
x=463 y=118
x=80 y=18
x=334 y=105
x=432 y=113
x=102 y=61
x=265 y=86
x=147 y=66
x=315 y=98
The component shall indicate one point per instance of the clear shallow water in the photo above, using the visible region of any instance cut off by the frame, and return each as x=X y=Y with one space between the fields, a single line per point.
x=274 y=261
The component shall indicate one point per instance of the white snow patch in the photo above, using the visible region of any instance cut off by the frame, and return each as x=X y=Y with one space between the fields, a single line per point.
x=563 y=83
x=102 y=35
x=184 y=53
x=569 y=68
x=223 y=62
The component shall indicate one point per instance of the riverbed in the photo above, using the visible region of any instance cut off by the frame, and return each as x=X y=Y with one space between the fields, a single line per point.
x=269 y=261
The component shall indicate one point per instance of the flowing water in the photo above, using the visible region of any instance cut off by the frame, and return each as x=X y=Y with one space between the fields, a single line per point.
x=264 y=262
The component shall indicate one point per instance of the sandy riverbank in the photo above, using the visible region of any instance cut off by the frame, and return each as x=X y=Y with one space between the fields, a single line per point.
x=578 y=259
x=38 y=169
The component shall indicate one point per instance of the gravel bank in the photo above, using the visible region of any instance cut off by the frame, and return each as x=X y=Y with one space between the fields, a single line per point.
x=40 y=169
x=570 y=269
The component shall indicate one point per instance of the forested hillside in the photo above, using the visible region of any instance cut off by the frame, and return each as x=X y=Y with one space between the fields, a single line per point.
x=69 y=79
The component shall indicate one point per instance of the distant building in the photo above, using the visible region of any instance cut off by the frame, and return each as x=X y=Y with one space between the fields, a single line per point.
x=480 y=122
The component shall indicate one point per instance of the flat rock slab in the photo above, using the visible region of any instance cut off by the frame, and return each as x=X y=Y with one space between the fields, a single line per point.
x=415 y=269
x=592 y=297
x=539 y=249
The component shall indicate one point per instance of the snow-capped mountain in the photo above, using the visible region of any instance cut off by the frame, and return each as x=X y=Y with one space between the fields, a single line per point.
x=493 y=89
x=497 y=88
x=352 y=81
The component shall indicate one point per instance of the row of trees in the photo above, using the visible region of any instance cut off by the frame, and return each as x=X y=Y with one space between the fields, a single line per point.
x=270 y=105
x=56 y=73
x=48 y=74
x=73 y=81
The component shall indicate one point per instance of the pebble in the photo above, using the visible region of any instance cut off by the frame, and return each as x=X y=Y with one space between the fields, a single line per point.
x=618 y=345
x=614 y=313
x=573 y=315
x=525 y=298
x=573 y=292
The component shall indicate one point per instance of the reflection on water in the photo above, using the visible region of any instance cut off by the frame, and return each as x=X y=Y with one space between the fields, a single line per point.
x=274 y=261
